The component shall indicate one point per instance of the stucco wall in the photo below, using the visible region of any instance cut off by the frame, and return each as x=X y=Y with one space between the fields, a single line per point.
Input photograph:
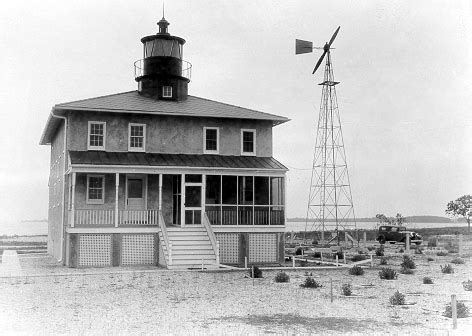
x=168 y=134
x=56 y=194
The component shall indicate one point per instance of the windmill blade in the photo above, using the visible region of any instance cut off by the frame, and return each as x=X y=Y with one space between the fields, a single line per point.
x=334 y=36
x=319 y=62
x=303 y=47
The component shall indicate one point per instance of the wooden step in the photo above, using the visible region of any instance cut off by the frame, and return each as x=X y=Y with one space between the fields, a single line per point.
x=203 y=253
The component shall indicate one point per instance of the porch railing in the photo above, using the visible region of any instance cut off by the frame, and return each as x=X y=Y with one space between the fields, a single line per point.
x=245 y=215
x=107 y=217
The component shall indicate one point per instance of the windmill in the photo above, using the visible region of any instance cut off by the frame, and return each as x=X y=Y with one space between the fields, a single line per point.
x=330 y=205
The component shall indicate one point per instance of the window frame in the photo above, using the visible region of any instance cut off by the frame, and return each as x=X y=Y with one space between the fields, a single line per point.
x=90 y=147
x=253 y=131
x=211 y=151
x=95 y=201
x=136 y=149
x=164 y=91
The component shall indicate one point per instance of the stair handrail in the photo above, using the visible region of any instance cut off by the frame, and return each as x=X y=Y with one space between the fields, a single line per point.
x=165 y=236
x=211 y=235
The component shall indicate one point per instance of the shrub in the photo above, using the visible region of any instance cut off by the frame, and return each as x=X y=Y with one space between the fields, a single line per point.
x=380 y=251
x=442 y=253
x=346 y=289
x=356 y=270
x=310 y=283
x=370 y=248
x=448 y=269
x=358 y=257
x=282 y=277
x=408 y=262
x=458 y=261
x=257 y=272
x=383 y=261
x=427 y=280
x=317 y=255
x=299 y=251
x=388 y=274
x=401 y=250
x=430 y=259
x=397 y=299
x=339 y=254
x=462 y=310
x=406 y=270
x=432 y=243
x=418 y=250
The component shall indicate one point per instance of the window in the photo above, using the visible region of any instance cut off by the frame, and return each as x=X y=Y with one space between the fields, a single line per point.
x=210 y=140
x=248 y=142
x=96 y=135
x=167 y=91
x=95 y=189
x=137 y=136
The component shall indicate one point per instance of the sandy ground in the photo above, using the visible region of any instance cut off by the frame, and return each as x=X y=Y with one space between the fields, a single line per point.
x=168 y=302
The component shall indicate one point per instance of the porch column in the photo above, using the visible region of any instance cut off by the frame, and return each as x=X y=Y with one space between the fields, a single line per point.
x=72 y=220
x=117 y=185
x=159 y=206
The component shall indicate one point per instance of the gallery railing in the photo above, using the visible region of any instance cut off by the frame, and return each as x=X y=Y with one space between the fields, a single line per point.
x=86 y=217
x=245 y=215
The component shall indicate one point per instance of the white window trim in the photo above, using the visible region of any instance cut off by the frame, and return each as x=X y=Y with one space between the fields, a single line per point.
x=95 y=201
x=136 y=149
x=206 y=151
x=253 y=153
x=163 y=91
x=104 y=135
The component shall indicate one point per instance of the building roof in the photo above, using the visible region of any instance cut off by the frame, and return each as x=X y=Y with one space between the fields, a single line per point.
x=133 y=102
x=102 y=158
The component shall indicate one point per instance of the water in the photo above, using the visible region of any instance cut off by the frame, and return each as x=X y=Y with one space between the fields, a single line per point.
x=300 y=226
x=23 y=228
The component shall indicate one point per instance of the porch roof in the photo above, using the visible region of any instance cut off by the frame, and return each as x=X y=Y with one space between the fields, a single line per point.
x=101 y=158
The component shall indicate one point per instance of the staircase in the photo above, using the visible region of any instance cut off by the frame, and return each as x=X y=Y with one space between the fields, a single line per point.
x=190 y=245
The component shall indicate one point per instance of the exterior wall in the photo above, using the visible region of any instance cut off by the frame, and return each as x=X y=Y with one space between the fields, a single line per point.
x=168 y=134
x=56 y=195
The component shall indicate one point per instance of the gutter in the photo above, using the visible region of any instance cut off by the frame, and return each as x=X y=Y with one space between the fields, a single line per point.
x=63 y=184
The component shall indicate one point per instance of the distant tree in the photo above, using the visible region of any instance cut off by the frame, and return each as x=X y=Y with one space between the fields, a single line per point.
x=383 y=219
x=398 y=219
x=461 y=207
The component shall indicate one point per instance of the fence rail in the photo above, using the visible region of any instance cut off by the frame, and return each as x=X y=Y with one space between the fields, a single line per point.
x=107 y=217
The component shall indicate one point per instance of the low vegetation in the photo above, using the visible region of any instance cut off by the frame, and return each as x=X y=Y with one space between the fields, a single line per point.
x=405 y=270
x=356 y=270
x=408 y=263
x=310 y=283
x=427 y=280
x=430 y=259
x=383 y=261
x=458 y=261
x=462 y=310
x=358 y=257
x=282 y=277
x=388 y=273
x=447 y=269
x=397 y=299
x=380 y=251
x=256 y=271
x=442 y=253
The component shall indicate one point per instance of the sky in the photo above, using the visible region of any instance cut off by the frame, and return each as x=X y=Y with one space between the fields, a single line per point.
x=405 y=97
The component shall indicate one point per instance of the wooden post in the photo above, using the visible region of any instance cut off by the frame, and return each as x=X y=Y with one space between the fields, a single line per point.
x=454 y=311
x=169 y=253
x=344 y=257
x=321 y=255
x=245 y=262
x=217 y=252
x=461 y=244
x=160 y=193
x=253 y=275
x=72 y=220
x=117 y=185
x=293 y=261
x=331 y=289
x=371 y=260
x=365 y=238
x=337 y=259
x=322 y=237
x=407 y=240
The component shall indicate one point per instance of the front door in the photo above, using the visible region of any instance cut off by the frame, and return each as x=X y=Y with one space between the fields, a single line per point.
x=192 y=199
x=135 y=193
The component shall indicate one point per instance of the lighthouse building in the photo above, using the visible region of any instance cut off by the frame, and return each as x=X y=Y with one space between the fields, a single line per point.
x=156 y=176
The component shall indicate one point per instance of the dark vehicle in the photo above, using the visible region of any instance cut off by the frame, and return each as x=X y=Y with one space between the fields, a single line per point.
x=397 y=234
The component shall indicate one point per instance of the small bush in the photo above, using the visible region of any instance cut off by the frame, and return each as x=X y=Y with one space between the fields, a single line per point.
x=405 y=270
x=397 y=299
x=427 y=280
x=339 y=254
x=462 y=310
x=346 y=289
x=358 y=257
x=418 y=250
x=380 y=251
x=308 y=273
x=383 y=261
x=430 y=259
x=442 y=253
x=317 y=255
x=408 y=262
x=310 y=283
x=282 y=277
x=458 y=261
x=388 y=274
x=370 y=248
x=356 y=270
x=401 y=250
x=257 y=272
x=432 y=243
x=448 y=269
x=299 y=251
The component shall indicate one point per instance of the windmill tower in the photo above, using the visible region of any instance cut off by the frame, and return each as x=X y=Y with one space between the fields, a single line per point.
x=330 y=205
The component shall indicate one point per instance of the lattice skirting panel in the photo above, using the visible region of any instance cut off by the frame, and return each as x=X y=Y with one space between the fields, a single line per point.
x=229 y=247
x=94 y=250
x=138 y=249
x=262 y=247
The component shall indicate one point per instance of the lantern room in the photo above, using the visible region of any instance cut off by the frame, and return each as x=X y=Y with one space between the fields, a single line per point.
x=162 y=73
